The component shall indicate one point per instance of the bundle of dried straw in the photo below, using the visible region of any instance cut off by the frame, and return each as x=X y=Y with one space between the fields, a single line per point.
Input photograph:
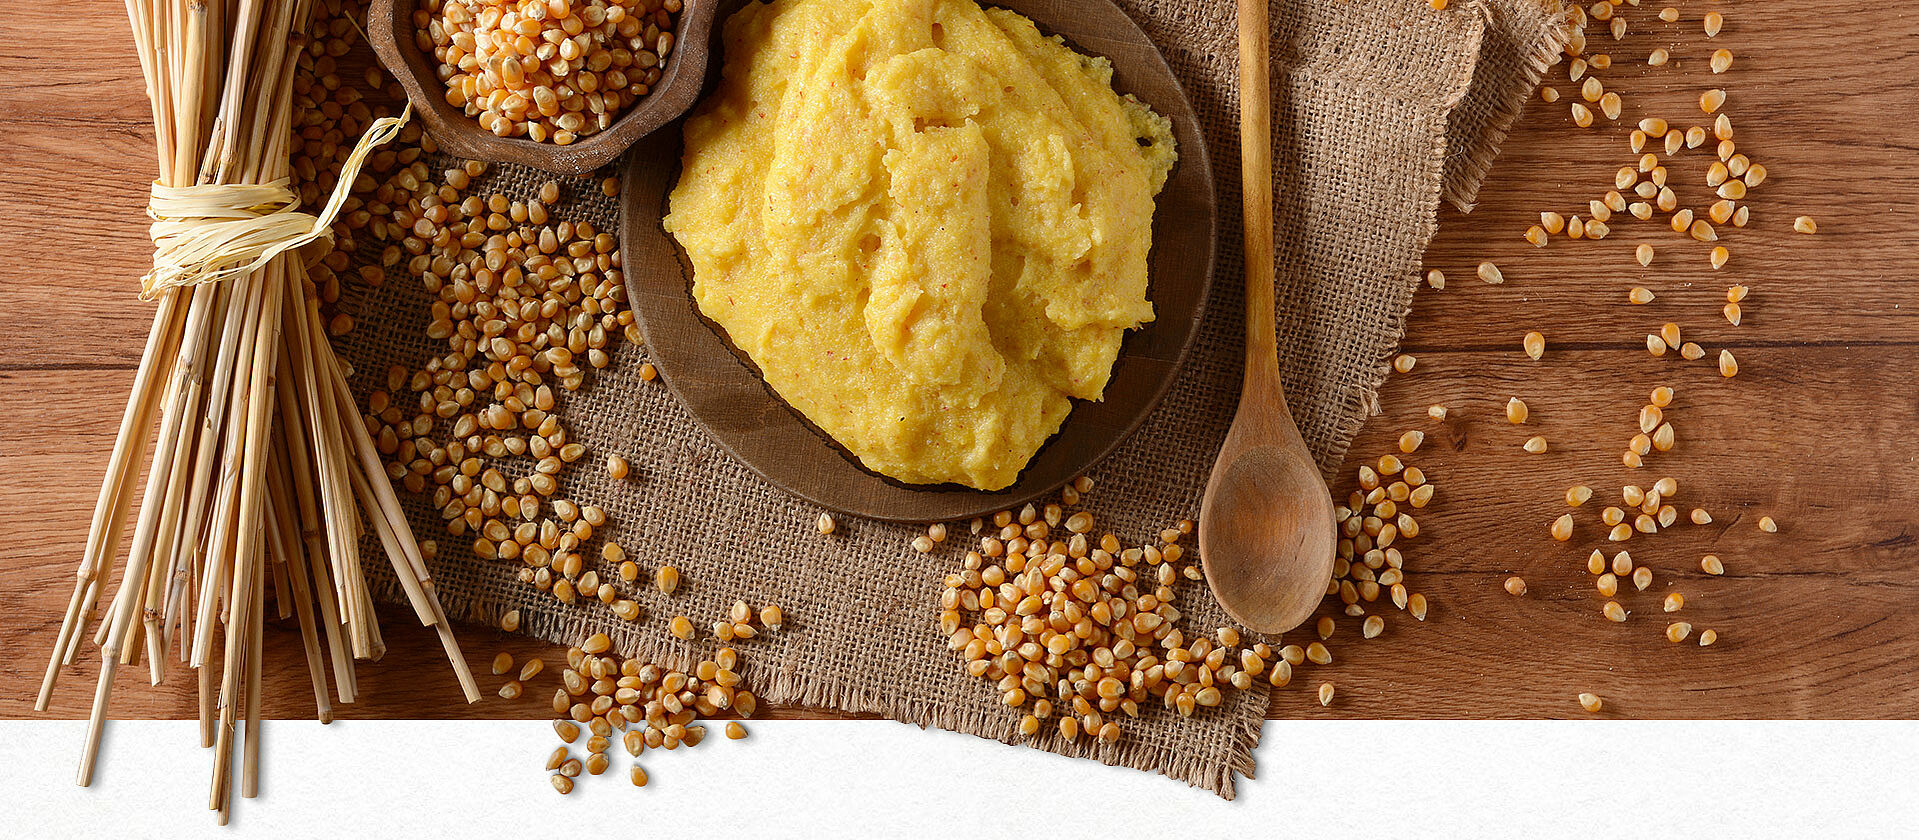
x=261 y=473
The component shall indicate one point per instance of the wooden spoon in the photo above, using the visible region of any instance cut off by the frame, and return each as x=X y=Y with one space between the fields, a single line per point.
x=1266 y=523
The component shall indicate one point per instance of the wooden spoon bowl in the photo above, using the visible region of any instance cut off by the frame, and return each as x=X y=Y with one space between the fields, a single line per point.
x=1266 y=527
x=391 y=30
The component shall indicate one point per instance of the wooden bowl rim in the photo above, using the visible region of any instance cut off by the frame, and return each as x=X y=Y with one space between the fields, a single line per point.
x=680 y=84
x=641 y=231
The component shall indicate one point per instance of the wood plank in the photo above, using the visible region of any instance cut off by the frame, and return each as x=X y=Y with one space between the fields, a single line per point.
x=1819 y=563
x=82 y=254
x=1814 y=619
x=1813 y=94
x=71 y=71
x=1761 y=464
x=1798 y=646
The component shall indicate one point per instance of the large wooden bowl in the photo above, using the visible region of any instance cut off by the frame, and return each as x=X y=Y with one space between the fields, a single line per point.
x=391 y=31
x=724 y=391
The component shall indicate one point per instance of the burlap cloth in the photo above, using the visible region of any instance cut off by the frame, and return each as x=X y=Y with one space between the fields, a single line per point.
x=1383 y=108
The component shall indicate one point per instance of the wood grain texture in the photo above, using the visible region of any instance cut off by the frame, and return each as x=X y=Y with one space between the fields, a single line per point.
x=1816 y=620
x=1816 y=430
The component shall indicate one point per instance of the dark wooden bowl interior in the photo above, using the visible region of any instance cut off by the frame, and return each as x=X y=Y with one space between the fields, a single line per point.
x=390 y=29
x=725 y=392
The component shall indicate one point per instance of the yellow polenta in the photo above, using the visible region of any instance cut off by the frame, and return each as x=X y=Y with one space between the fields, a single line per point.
x=924 y=221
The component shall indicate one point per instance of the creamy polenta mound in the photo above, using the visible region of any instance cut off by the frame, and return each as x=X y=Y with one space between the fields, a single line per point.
x=924 y=221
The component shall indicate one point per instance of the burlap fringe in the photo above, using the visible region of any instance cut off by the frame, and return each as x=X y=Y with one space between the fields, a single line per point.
x=1549 y=23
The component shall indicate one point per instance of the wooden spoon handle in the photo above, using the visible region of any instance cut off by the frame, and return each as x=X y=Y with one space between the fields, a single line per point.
x=1256 y=190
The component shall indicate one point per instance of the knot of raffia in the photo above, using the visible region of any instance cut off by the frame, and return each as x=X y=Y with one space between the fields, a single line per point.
x=204 y=233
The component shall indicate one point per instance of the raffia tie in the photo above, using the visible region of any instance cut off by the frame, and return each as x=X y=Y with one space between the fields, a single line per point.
x=205 y=233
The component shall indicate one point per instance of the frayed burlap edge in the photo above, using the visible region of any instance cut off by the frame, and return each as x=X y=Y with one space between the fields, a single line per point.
x=1530 y=33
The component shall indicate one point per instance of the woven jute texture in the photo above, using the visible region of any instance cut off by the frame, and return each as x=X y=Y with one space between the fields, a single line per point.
x=1383 y=109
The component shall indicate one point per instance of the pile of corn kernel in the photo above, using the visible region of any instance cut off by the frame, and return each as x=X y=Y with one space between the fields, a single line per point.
x=547 y=70
x=1081 y=633
x=654 y=707
x=528 y=305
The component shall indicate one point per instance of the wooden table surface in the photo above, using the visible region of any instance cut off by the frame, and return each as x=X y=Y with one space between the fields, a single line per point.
x=1819 y=430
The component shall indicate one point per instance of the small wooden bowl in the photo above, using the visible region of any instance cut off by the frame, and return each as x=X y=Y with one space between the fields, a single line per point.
x=722 y=388
x=390 y=29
